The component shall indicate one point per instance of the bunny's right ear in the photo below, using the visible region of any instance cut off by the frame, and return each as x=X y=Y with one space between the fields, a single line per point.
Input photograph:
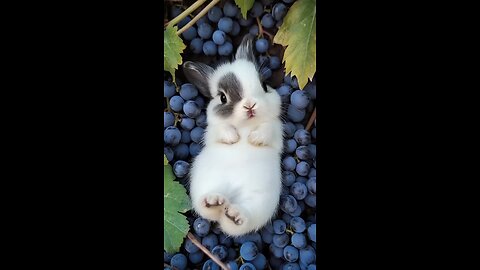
x=199 y=74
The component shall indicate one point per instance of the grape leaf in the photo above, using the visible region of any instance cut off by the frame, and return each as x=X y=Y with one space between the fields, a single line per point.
x=298 y=33
x=175 y=200
x=172 y=48
x=244 y=5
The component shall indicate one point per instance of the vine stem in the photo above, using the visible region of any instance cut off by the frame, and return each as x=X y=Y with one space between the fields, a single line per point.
x=199 y=15
x=206 y=251
x=262 y=31
x=312 y=118
x=185 y=13
x=172 y=267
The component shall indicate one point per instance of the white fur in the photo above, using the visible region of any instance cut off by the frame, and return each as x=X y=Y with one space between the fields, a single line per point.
x=240 y=163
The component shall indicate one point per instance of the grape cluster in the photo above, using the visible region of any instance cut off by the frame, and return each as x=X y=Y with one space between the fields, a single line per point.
x=289 y=240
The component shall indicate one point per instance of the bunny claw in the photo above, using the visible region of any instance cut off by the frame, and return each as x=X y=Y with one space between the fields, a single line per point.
x=213 y=200
x=234 y=215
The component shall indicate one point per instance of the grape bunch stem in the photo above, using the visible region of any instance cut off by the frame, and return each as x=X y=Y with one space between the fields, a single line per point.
x=312 y=118
x=206 y=251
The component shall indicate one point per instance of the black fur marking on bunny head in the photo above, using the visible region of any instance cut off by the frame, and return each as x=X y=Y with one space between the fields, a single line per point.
x=231 y=87
x=199 y=74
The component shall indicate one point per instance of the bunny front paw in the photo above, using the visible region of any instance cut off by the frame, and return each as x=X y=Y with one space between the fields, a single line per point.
x=258 y=138
x=229 y=136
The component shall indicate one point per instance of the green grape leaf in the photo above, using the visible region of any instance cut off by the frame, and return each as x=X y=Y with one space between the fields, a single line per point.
x=165 y=161
x=175 y=200
x=172 y=48
x=244 y=5
x=298 y=33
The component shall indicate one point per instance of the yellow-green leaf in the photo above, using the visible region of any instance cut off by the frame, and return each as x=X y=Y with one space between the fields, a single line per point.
x=175 y=200
x=172 y=48
x=244 y=5
x=298 y=33
x=165 y=160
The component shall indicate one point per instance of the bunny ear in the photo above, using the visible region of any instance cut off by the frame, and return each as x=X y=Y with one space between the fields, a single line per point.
x=198 y=74
x=245 y=50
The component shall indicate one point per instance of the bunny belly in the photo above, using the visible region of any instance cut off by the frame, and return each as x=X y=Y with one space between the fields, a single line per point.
x=245 y=174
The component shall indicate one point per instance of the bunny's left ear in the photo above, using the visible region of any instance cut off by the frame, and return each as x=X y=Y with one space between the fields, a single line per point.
x=199 y=74
x=245 y=50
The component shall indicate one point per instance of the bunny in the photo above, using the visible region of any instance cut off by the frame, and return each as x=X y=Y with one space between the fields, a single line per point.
x=236 y=179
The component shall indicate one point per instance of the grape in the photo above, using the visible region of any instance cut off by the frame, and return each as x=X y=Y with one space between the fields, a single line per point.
x=220 y=251
x=278 y=11
x=288 y=178
x=279 y=226
x=266 y=73
x=253 y=30
x=176 y=103
x=225 y=24
x=210 y=241
x=266 y=2
x=215 y=14
x=294 y=82
x=299 y=190
x=288 y=1
x=279 y=23
x=184 y=22
x=233 y=265
x=299 y=240
x=312 y=173
x=188 y=91
x=291 y=266
x=232 y=254
x=284 y=191
x=210 y=265
x=201 y=227
x=286 y=217
x=205 y=30
x=179 y=261
x=289 y=163
x=167 y=257
x=230 y=9
x=302 y=137
x=303 y=152
x=287 y=79
x=307 y=255
x=266 y=236
x=187 y=123
x=181 y=151
x=219 y=37
x=311 y=200
x=280 y=240
x=260 y=262
x=299 y=126
x=195 y=257
x=290 y=253
x=288 y=203
x=268 y=21
x=169 y=153
x=200 y=102
x=202 y=20
x=172 y=136
x=168 y=119
x=196 y=45
x=168 y=89
x=294 y=114
x=256 y=10
x=235 y=29
x=180 y=168
x=248 y=251
x=195 y=149
x=190 y=33
x=311 y=90
x=312 y=232
x=297 y=211
x=298 y=224
x=225 y=240
x=261 y=45
x=225 y=49
x=191 y=109
x=276 y=251
x=209 y=48
x=255 y=238
x=314 y=133
x=290 y=146
x=247 y=266
x=284 y=91
x=245 y=22
x=312 y=185
x=275 y=62
x=301 y=179
x=312 y=267
x=175 y=11
x=201 y=120
x=289 y=129
x=299 y=99
x=197 y=134
x=312 y=148
x=190 y=247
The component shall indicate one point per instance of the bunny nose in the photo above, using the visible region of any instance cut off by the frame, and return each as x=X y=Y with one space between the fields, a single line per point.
x=248 y=107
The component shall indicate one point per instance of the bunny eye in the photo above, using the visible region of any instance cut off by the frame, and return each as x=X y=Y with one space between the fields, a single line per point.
x=223 y=98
